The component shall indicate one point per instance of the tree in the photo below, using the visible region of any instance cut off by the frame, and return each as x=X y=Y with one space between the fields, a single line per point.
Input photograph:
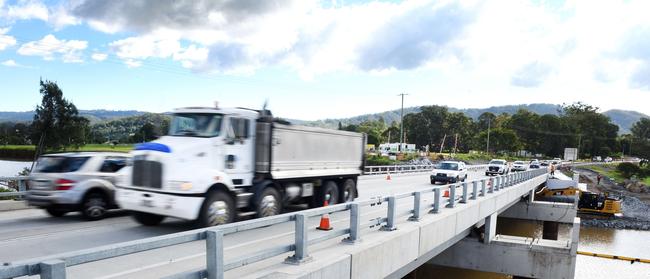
x=641 y=129
x=485 y=120
x=501 y=140
x=57 y=123
x=594 y=132
x=525 y=125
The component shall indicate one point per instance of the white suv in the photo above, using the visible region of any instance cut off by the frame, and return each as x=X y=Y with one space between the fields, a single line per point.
x=449 y=172
x=519 y=166
x=497 y=166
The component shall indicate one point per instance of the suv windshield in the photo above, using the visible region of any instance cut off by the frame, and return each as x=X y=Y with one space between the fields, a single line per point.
x=196 y=124
x=448 y=166
x=54 y=164
x=497 y=162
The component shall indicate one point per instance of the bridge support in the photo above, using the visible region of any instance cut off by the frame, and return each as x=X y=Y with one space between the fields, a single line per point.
x=542 y=211
x=518 y=256
x=490 y=228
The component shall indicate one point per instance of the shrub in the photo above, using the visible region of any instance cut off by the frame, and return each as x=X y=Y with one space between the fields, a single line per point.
x=378 y=161
x=627 y=170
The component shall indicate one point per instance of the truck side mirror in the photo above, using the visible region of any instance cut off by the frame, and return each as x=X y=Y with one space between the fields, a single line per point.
x=229 y=141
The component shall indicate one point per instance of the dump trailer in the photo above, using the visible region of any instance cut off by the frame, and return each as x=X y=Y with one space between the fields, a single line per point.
x=217 y=164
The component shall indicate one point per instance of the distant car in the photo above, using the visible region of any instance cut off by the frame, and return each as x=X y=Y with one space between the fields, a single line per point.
x=497 y=166
x=608 y=160
x=449 y=172
x=62 y=183
x=519 y=166
x=534 y=161
x=534 y=166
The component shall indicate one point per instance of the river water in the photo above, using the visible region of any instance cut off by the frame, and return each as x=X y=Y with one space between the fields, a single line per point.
x=12 y=168
x=628 y=243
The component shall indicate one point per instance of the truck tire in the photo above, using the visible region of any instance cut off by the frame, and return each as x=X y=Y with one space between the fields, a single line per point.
x=55 y=212
x=147 y=219
x=348 y=191
x=327 y=192
x=218 y=209
x=94 y=206
x=268 y=202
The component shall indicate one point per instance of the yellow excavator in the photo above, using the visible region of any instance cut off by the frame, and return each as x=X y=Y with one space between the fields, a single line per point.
x=588 y=202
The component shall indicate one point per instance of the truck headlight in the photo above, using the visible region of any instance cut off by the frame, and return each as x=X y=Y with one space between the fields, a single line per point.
x=180 y=185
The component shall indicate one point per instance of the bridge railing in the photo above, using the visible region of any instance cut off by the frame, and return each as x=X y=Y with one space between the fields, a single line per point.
x=370 y=170
x=447 y=196
x=18 y=183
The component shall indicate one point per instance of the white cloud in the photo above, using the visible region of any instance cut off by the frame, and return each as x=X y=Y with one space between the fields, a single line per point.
x=6 y=40
x=70 y=51
x=130 y=63
x=99 y=56
x=25 y=9
x=10 y=63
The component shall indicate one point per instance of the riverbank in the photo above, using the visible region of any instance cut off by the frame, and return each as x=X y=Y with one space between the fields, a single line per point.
x=635 y=206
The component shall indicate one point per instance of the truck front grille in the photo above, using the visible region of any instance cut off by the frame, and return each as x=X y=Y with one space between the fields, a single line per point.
x=147 y=174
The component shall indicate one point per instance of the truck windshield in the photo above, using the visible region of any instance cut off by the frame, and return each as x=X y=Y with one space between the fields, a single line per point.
x=497 y=162
x=196 y=125
x=448 y=166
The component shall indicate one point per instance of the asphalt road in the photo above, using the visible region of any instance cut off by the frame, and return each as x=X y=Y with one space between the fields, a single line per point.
x=26 y=234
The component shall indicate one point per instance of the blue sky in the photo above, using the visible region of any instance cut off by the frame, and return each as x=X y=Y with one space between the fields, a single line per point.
x=325 y=59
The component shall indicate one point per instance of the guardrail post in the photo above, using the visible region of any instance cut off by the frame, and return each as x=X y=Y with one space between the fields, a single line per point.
x=355 y=224
x=452 y=196
x=214 y=253
x=301 y=241
x=21 y=185
x=492 y=182
x=392 y=214
x=465 y=190
x=52 y=269
x=497 y=181
x=436 y=201
x=484 y=186
x=417 y=199
x=474 y=190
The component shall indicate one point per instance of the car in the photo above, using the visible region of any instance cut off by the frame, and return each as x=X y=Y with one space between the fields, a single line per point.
x=84 y=181
x=534 y=166
x=519 y=166
x=497 y=166
x=544 y=164
x=534 y=161
x=449 y=172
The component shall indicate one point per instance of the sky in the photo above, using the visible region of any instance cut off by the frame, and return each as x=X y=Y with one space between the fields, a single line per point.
x=325 y=59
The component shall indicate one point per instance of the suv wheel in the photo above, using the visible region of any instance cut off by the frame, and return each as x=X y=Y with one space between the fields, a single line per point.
x=55 y=212
x=94 y=206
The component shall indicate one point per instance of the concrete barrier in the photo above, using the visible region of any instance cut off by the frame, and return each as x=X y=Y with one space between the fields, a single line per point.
x=13 y=205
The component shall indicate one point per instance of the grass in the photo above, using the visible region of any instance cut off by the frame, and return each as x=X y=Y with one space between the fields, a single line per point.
x=608 y=171
x=26 y=152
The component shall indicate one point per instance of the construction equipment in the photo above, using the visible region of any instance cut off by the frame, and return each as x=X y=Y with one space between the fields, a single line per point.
x=588 y=202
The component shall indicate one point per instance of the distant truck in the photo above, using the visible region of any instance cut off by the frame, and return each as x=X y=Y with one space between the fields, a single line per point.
x=570 y=154
x=387 y=149
x=218 y=163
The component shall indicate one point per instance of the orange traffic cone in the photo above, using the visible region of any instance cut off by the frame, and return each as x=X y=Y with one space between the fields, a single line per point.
x=325 y=221
x=446 y=194
x=388 y=176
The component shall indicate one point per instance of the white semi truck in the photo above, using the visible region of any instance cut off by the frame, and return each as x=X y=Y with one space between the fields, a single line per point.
x=216 y=164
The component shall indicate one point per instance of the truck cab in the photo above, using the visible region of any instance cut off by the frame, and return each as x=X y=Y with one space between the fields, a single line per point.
x=218 y=163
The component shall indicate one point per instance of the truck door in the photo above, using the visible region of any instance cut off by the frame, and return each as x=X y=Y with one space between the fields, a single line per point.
x=237 y=153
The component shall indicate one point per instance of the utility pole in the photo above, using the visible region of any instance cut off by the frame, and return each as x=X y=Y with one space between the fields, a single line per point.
x=442 y=144
x=455 y=144
x=487 y=149
x=401 y=122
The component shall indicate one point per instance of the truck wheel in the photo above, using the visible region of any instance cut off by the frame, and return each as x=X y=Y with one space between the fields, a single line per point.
x=94 y=206
x=147 y=219
x=55 y=212
x=268 y=203
x=218 y=209
x=327 y=192
x=348 y=191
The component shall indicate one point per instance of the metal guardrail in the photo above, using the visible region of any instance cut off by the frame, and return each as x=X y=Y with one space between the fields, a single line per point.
x=20 y=182
x=54 y=267
x=370 y=170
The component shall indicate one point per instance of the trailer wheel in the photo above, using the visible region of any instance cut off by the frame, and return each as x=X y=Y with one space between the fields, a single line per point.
x=269 y=202
x=147 y=219
x=348 y=191
x=218 y=209
x=327 y=192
